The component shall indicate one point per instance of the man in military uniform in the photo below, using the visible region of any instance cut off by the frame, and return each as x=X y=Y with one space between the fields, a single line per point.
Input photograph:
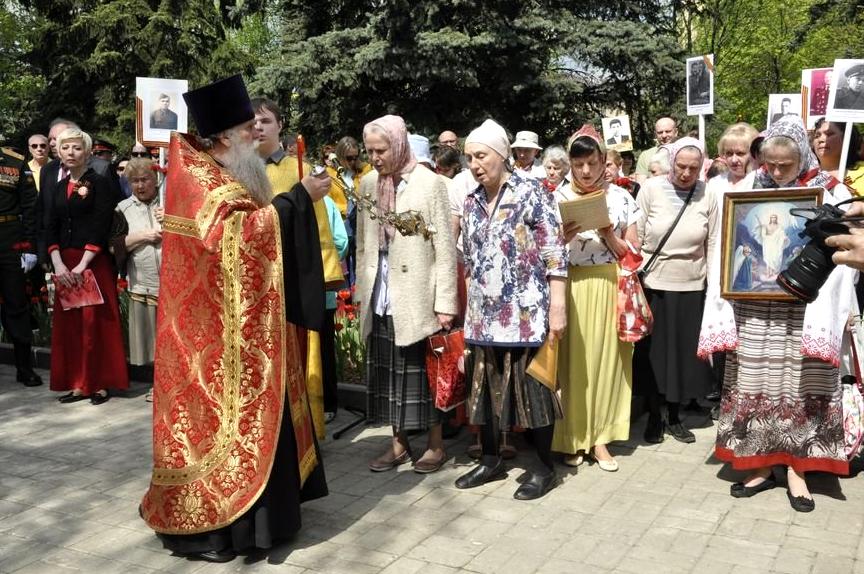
x=17 y=257
x=852 y=96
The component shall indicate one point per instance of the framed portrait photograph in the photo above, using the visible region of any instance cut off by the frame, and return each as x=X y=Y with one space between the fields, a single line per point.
x=815 y=88
x=616 y=133
x=780 y=105
x=846 y=98
x=760 y=239
x=159 y=109
x=700 y=85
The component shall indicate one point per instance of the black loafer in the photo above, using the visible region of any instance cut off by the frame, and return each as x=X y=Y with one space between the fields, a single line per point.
x=654 y=430
x=219 y=557
x=801 y=503
x=538 y=485
x=481 y=474
x=28 y=378
x=98 y=399
x=680 y=433
x=71 y=398
x=739 y=490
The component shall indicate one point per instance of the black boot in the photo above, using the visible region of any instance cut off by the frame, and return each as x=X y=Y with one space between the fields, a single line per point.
x=24 y=366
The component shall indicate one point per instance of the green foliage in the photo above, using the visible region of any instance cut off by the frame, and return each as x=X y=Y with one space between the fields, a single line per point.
x=19 y=85
x=89 y=53
x=542 y=65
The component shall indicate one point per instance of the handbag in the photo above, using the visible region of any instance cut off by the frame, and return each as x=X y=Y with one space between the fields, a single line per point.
x=853 y=402
x=635 y=319
x=444 y=369
x=663 y=241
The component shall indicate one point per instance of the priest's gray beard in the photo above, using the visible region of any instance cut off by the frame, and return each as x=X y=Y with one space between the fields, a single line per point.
x=244 y=163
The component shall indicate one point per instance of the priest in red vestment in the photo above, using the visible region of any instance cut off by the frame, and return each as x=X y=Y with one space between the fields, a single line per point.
x=234 y=452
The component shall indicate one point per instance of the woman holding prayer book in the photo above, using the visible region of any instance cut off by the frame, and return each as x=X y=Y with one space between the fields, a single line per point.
x=594 y=365
x=677 y=230
x=87 y=355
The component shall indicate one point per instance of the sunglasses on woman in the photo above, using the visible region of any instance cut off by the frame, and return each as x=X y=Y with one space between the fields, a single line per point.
x=38 y=146
x=140 y=154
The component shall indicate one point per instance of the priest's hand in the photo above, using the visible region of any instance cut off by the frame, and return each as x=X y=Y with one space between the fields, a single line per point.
x=317 y=186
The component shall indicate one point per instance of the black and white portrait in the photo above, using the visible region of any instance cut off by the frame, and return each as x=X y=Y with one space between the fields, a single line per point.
x=700 y=85
x=846 y=99
x=160 y=109
x=616 y=133
x=780 y=105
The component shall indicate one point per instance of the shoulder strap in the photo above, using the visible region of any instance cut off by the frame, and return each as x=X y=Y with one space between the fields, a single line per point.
x=663 y=241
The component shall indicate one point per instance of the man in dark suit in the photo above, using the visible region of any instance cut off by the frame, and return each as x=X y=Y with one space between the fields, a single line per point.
x=785 y=104
x=51 y=174
x=615 y=132
x=163 y=118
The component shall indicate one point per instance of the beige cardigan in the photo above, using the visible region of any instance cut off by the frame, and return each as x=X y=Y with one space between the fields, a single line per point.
x=422 y=279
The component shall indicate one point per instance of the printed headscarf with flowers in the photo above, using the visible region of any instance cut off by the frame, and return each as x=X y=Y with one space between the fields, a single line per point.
x=810 y=174
x=674 y=148
x=403 y=162
x=588 y=131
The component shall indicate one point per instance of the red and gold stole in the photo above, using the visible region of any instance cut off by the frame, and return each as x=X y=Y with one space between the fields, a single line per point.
x=226 y=359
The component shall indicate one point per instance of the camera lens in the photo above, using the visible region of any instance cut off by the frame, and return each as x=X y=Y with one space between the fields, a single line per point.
x=808 y=272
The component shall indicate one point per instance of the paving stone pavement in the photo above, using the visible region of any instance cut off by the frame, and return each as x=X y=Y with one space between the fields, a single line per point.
x=71 y=477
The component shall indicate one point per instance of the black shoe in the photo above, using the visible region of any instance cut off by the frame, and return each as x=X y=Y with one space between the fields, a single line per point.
x=481 y=474
x=739 y=490
x=654 y=430
x=713 y=396
x=536 y=486
x=98 y=399
x=694 y=407
x=801 y=503
x=71 y=398
x=220 y=556
x=679 y=433
x=28 y=377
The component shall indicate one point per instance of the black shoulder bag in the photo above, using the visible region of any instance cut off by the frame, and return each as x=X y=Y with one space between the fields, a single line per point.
x=647 y=266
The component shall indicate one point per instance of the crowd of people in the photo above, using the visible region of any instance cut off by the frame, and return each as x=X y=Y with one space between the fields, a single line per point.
x=232 y=284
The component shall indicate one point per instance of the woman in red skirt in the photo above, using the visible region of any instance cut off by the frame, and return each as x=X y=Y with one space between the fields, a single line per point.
x=87 y=355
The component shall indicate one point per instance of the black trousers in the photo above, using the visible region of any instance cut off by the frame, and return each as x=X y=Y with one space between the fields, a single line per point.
x=15 y=309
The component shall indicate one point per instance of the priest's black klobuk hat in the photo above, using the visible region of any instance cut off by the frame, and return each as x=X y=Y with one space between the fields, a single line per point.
x=219 y=106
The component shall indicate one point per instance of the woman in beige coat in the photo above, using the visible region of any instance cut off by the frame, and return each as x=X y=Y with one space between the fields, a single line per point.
x=406 y=286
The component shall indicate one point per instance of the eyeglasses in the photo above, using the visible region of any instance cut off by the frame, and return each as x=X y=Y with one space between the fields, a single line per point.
x=38 y=146
x=140 y=154
x=351 y=157
x=120 y=168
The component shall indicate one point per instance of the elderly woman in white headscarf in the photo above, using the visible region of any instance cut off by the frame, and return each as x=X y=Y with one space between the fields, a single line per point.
x=516 y=267
x=675 y=273
x=781 y=399
x=406 y=286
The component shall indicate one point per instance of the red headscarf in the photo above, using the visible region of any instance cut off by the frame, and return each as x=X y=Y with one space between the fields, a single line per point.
x=588 y=131
x=402 y=162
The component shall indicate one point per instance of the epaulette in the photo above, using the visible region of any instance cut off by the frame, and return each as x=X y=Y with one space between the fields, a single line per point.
x=13 y=153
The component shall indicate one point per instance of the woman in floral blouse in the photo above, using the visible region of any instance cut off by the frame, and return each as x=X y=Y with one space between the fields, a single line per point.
x=516 y=269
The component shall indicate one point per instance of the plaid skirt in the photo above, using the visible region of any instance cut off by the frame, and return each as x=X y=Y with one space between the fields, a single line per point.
x=397 y=389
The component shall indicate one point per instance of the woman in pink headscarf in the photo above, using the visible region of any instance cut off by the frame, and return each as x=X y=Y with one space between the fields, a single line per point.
x=406 y=287
x=666 y=366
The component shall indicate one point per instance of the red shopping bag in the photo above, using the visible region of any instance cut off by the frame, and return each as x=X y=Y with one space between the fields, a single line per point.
x=634 y=315
x=444 y=355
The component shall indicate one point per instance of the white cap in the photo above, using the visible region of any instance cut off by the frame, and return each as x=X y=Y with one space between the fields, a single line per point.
x=420 y=148
x=491 y=134
x=527 y=139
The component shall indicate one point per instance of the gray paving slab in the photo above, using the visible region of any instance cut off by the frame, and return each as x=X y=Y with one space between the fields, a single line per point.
x=71 y=477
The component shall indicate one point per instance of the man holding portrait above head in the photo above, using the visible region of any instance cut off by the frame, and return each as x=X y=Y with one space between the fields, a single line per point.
x=234 y=450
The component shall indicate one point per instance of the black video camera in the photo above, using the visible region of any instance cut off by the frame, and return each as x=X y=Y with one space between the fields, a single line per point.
x=811 y=268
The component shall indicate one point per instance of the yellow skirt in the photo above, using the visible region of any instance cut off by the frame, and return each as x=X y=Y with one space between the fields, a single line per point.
x=594 y=366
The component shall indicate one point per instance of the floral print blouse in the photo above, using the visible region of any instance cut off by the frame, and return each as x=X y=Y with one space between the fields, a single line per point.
x=509 y=254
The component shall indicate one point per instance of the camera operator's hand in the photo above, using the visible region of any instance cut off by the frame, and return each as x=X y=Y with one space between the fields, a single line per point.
x=850 y=248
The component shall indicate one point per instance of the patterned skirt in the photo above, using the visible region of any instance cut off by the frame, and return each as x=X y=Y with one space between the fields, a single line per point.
x=517 y=399
x=397 y=391
x=778 y=407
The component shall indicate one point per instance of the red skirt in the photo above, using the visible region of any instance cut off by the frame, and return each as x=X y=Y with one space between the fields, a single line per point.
x=87 y=343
